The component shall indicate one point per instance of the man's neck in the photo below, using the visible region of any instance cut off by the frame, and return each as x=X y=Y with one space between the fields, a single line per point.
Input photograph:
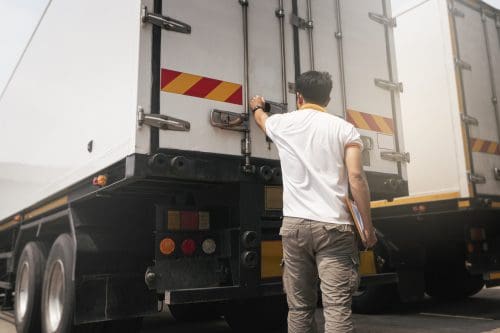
x=312 y=106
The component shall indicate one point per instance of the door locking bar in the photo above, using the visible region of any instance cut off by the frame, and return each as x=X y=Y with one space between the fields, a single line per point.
x=232 y=121
x=162 y=122
x=165 y=22
x=395 y=156
x=275 y=107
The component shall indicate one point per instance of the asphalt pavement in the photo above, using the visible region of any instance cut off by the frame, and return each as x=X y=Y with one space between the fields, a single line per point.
x=478 y=314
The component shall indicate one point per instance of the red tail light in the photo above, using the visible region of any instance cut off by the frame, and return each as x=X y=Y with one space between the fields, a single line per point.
x=188 y=247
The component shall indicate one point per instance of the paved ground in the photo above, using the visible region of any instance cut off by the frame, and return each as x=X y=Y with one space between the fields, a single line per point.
x=479 y=314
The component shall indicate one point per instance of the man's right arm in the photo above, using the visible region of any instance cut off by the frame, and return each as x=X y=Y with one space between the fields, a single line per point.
x=360 y=191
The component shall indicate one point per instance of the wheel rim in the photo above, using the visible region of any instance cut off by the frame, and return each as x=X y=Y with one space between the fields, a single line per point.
x=22 y=291
x=55 y=298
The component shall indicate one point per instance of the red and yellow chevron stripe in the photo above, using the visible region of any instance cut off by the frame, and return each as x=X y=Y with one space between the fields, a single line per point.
x=370 y=122
x=199 y=86
x=485 y=146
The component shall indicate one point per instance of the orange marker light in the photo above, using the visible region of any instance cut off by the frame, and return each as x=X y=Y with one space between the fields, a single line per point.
x=167 y=246
x=100 y=180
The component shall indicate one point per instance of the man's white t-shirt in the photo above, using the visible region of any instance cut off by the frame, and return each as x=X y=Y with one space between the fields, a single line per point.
x=311 y=146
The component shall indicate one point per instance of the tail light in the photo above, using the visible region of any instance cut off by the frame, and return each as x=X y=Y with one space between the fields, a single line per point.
x=188 y=247
x=209 y=246
x=167 y=246
x=477 y=234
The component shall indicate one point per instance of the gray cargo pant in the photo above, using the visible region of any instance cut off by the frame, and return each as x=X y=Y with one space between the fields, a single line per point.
x=313 y=249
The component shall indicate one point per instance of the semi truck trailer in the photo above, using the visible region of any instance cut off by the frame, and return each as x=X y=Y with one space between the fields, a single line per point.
x=133 y=179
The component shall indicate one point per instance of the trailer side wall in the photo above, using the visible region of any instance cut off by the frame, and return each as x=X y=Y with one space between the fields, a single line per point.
x=75 y=85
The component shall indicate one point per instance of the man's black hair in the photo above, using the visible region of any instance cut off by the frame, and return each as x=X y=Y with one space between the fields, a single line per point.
x=314 y=86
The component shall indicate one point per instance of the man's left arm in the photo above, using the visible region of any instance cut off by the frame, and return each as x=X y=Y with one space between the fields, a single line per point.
x=257 y=103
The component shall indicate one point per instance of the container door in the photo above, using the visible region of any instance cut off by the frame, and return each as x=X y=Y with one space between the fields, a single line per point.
x=203 y=79
x=479 y=59
x=200 y=72
x=372 y=89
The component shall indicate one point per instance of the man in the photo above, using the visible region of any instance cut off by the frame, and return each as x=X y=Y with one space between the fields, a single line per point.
x=320 y=156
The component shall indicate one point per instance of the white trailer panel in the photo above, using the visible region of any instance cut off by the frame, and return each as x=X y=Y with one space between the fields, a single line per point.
x=429 y=103
x=76 y=84
x=450 y=123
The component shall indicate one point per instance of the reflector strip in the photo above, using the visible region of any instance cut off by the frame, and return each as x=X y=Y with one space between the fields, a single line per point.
x=412 y=200
x=203 y=87
x=370 y=122
x=173 y=220
x=271 y=254
x=204 y=220
x=485 y=146
x=463 y=204
x=189 y=220
x=367 y=263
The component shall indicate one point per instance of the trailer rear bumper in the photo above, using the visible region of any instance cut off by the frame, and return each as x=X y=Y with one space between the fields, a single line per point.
x=220 y=294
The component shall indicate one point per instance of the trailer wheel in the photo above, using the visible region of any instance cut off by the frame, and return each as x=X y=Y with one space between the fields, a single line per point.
x=194 y=312
x=256 y=315
x=30 y=268
x=375 y=298
x=58 y=295
x=452 y=284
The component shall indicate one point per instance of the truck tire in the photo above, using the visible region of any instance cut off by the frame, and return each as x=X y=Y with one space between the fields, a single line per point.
x=28 y=288
x=256 y=315
x=452 y=284
x=375 y=298
x=194 y=312
x=58 y=295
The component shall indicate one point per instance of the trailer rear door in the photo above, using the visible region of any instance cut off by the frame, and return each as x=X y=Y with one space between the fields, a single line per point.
x=204 y=71
x=479 y=60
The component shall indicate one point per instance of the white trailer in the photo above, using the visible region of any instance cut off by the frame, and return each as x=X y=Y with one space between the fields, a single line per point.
x=131 y=172
x=448 y=58
x=127 y=150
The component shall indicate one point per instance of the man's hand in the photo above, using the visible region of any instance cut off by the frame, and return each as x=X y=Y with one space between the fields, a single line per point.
x=259 y=115
x=370 y=238
x=257 y=101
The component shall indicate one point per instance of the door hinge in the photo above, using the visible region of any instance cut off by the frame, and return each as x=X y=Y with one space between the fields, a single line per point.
x=395 y=156
x=476 y=178
x=161 y=121
x=469 y=120
x=165 y=22
x=462 y=64
x=494 y=100
x=455 y=11
x=389 y=85
x=301 y=23
x=232 y=121
x=388 y=21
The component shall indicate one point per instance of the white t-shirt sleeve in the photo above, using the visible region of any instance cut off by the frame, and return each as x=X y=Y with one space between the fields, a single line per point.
x=273 y=126
x=351 y=136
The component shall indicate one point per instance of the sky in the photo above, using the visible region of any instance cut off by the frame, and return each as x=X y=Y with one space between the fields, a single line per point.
x=18 y=19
